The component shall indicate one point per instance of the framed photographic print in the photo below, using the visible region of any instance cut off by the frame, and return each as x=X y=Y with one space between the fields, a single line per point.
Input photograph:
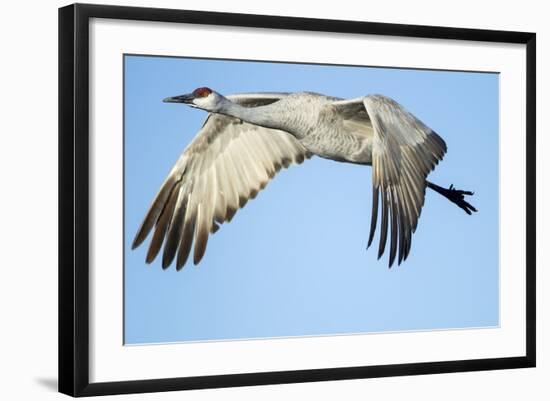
x=249 y=199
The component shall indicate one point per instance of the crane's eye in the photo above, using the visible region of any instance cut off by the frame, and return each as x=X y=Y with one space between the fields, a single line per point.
x=202 y=92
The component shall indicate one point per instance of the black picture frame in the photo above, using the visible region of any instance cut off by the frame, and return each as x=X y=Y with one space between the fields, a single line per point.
x=74 y=198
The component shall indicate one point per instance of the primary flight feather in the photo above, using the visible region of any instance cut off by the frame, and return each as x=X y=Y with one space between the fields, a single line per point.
x=247 y=138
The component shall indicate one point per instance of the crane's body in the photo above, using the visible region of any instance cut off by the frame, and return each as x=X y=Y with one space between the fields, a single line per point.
x=313 y=120
x=248 y=138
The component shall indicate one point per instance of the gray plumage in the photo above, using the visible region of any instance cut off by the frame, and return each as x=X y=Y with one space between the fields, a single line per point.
x=247 y=138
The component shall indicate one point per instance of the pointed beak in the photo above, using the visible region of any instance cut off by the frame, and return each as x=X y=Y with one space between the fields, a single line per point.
x=188 y=98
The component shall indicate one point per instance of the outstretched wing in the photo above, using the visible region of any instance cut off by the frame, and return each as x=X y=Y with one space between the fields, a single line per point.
x=404 y=151
x=226 y=164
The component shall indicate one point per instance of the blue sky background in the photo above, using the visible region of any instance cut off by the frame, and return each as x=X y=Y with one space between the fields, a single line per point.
x=293 y=261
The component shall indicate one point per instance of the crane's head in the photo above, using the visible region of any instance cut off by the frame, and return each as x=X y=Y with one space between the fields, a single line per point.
x=202 y=98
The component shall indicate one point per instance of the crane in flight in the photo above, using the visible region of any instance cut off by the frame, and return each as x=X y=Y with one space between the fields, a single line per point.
x=247 y=138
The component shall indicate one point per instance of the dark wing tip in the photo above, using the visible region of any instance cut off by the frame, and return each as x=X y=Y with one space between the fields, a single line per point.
x=141 y=234
x=200 y=245
x=374 y=215
x=198 y=254
x=150 y=257
x=135 y=243
x=384 y=224
x=185 y=242
x=167 y=260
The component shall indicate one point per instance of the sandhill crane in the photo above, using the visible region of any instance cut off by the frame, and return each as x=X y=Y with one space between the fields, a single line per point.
x=247 y=138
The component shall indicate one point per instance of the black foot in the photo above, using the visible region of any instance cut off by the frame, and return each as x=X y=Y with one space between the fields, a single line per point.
x=457 y=196
x=454 y=195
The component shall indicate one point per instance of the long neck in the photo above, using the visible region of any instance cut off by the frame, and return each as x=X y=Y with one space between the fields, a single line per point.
x=269 y=116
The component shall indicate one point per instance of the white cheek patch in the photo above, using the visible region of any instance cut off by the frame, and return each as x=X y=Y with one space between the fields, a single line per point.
x=201 y=101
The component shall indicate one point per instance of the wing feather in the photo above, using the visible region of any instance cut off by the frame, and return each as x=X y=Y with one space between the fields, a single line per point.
x=404 y=151
x=174 y=232
x=226 y=164
x=162 y=226
x=186 y=239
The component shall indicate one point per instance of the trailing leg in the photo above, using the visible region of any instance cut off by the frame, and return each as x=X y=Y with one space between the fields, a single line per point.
x=454 y=195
